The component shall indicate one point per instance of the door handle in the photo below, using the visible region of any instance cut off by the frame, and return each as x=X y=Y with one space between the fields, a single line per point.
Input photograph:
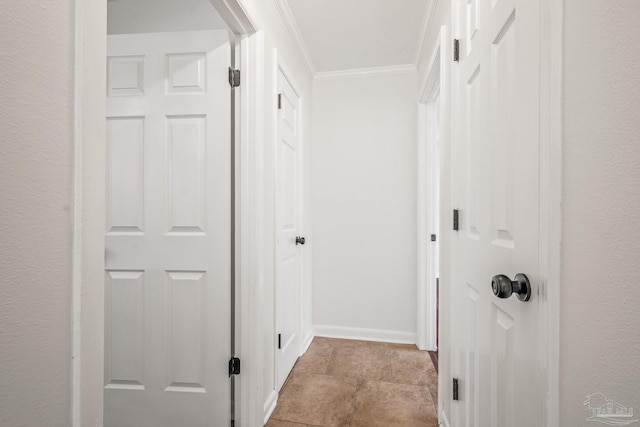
x=503 y=287
x=300 y=240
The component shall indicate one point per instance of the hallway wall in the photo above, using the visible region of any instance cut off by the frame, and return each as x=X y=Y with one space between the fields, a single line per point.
x=599 y=299
x=363 y=207
x=279 y=48
x=36 y=170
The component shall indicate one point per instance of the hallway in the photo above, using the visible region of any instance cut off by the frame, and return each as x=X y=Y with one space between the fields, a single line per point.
x=341 y=382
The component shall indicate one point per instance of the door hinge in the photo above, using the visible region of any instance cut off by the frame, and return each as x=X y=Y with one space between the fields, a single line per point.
x=234 y=77
x=279 y=101
x=455 y=220
x=456 y=50
x=234 y=366
x=455 y=389
x=433 y=237
x=279 y=341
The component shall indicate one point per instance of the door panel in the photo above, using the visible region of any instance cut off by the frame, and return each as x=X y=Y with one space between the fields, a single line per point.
x=168 y=231
x=495 y=184
x=288 y=268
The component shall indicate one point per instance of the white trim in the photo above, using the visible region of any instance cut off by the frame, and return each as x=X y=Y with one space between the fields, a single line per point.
x=432 y=73
x=426 y=290
x=551 y=96
x=307 y=342
x=426 y=21
x=87 y=362
x=76 y=304
x=444 y=421
x=249 y=222
x=446 y=99
x=235 y=16
x=363 y=334
x=294 y=31
x=372 y=71
x=270 y=405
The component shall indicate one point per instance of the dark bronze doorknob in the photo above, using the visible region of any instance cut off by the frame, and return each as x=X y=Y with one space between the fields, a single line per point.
x=503 y=287
x=300 y=240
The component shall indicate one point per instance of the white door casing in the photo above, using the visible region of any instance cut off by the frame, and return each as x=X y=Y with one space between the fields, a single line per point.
x=168 y=230
x=287 y=229
x=497 y=352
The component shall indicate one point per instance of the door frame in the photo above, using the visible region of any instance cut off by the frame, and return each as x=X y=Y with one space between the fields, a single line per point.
x=87 y=362
x=280 y=66
x=436 y=81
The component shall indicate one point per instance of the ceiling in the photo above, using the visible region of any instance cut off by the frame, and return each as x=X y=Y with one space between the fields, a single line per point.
x=345 y=35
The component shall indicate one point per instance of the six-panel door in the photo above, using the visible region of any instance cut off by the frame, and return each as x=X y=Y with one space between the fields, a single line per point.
x=168 y=231
x=497 y=352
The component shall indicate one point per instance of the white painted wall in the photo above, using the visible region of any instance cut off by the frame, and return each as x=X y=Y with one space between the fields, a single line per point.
x=36 y=164
x=148 y=16
x=279 y=47
x=363 y=207
x=600 y=302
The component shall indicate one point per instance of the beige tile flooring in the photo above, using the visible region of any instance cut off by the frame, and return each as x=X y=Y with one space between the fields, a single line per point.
x=360 y=384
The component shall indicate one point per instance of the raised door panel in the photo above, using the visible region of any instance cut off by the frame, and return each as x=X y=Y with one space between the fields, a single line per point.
x=125 y=181
x=185 y=326
x=124 y=322
x=186 y=186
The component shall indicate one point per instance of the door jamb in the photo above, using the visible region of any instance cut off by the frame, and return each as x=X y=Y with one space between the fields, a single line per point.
x=436 y=78
x=87 y=363
x=551 y=122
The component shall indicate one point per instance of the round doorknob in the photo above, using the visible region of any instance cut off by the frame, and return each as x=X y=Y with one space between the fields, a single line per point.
x=300 y=240
x=503 y=287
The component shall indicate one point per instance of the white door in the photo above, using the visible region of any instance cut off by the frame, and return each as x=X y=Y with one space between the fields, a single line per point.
x=168 y=231
x=288 y=229
x=497 y=353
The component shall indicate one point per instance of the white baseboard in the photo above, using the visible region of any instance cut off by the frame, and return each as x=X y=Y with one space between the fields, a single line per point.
x=364 y=334
x=307 y=342
x=444 y=421
x=270 y=405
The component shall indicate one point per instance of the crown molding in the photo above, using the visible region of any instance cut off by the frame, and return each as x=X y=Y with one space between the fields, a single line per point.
x=373 y=71
x=426 y=21
x=294 y=31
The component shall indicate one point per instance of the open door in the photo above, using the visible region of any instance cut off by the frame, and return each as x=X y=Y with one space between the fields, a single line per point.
x=168 y=231
x=497 y=353
x=289 y=241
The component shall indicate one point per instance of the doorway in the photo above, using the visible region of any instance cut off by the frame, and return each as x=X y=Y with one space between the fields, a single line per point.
x=432 y=114
x=89 y=298
x=168 y=239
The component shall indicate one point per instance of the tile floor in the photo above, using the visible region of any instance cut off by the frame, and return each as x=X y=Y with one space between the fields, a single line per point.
x=360 y=384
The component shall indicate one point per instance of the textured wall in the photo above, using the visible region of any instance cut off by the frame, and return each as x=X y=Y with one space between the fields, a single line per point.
x=36 y=83
x=364 y=203
x=600 y=302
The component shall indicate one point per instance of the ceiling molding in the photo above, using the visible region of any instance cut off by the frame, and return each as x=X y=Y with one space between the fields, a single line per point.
x=373 y=71
x=426 y=21
x=294 y=31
